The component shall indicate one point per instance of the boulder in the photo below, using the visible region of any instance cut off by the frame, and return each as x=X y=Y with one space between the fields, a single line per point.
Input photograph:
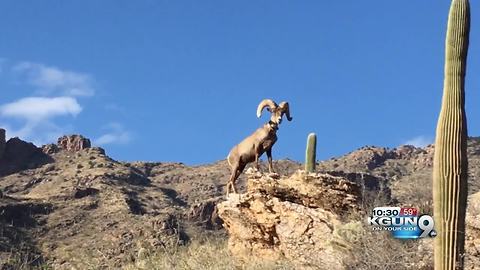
x=295 y=217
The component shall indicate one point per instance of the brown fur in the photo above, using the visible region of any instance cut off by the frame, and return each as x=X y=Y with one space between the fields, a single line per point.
x=261 y=141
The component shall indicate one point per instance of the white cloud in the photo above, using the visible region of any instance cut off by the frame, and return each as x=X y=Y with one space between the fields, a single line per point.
x=55 y=95
x=35 y=109
x=420 y=141
x=38 y=114
x=52 y=80
x=116 y=134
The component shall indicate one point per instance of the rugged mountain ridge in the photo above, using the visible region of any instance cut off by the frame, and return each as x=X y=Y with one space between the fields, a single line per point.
x=68 y=204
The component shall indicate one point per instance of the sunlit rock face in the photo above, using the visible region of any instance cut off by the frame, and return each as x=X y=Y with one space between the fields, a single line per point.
x=73 y=143
x=296 y=217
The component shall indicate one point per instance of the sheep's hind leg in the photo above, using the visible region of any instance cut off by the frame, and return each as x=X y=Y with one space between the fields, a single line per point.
x=231 y=181
x=228 y=187
x=240 y=169
x=233 y=188
x=237 y=174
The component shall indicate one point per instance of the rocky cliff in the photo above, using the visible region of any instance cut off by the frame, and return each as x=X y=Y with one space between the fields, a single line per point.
x=296 y=217
x=73 y=143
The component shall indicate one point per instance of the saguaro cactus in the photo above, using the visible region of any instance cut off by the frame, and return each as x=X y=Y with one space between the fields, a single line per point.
x=450 y=160
x=311 y=153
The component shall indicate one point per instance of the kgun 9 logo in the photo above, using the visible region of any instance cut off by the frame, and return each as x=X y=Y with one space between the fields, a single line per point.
x=404 y=223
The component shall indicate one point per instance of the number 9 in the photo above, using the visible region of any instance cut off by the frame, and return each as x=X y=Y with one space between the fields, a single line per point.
x=425 y=228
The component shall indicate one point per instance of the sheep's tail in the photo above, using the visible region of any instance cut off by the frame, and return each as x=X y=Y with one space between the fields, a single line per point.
x=228 y=160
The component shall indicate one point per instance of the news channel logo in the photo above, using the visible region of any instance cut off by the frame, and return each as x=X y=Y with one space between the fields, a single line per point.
x=403 y=223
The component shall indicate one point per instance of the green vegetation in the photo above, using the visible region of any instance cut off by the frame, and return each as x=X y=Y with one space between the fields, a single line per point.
x=450 y=159
x=311 y=153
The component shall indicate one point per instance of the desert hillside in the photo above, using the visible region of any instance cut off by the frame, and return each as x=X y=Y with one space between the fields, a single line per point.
x=69 y=205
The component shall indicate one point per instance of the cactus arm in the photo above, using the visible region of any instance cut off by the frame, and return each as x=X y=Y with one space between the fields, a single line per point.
x=310 y=154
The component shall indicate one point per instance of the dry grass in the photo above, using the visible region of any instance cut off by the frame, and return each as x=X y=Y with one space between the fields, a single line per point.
x=209 y=253
x=372 y=250
x=21 y=261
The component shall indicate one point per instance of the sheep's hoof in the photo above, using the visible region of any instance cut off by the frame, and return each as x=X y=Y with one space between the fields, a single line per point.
x=234 y=196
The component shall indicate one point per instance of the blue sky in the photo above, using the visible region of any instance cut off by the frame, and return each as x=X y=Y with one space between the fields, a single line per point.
x=180 y=80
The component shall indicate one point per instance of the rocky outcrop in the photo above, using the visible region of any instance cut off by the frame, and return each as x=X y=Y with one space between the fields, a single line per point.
x=296 y=217
x=20 y=155
x=405 y=151
x=423 y=158
x=2 y=142
x=19 y=151
x=73 y=143
x=370 y=157
x=50 y=148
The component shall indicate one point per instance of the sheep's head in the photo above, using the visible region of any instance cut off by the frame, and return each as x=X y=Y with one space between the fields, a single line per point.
x=277 y=111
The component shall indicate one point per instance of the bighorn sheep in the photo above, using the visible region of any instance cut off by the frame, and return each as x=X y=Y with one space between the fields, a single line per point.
x=261 y=141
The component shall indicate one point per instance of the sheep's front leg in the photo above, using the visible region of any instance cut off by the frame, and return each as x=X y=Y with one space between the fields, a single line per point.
x=257 y=165
x=270 y=164
x=257 y=157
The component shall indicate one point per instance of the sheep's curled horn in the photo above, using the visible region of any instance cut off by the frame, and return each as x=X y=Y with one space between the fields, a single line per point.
x=271 y=106
x=266 y=103
x=285 y=110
